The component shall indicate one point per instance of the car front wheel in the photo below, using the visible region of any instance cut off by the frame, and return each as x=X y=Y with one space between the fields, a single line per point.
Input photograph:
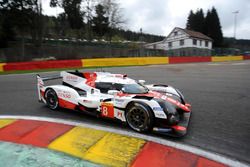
x=139 y=117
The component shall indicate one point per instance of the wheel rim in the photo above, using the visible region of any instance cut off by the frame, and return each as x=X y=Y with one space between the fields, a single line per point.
x=51 y=99
x=137 y=118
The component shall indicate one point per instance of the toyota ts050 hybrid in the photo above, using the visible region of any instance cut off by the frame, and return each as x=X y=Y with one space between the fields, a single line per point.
x=159 y=108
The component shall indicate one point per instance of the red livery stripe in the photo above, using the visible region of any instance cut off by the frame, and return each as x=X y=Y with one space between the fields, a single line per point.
x=66 y=104
x=91 y=77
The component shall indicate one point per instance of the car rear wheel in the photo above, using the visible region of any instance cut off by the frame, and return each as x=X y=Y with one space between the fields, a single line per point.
x=139 y=117
x=51 y=99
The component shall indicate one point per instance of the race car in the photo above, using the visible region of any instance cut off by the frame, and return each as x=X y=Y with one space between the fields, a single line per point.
x=145 y=108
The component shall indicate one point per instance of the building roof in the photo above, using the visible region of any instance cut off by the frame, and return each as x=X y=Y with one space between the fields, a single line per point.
x=190 y=33
x=195 y=34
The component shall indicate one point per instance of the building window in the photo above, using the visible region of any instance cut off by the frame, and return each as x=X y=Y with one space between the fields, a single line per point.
x=169 y=44
x=182 y=42
x=175 y=33
x=200 y=42
x=194 y=42
x=206 y=43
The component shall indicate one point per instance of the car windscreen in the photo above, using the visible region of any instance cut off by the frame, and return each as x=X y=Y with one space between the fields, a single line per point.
x=134 y=89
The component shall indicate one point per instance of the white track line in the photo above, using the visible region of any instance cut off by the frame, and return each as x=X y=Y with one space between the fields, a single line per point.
x=235 y=64
x=192 y=149
x=214 y=64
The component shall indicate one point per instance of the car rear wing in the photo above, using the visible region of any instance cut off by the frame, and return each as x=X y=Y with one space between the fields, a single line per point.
x=40 y=83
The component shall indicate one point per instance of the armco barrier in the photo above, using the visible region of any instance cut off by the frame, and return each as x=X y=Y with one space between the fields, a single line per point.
x=42 y=65
x=192 y=59
x=107 y=62
x=1 y=67
x=226 y=58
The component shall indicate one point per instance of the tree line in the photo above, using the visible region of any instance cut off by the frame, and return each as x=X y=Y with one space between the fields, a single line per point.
x=81 y=19
x=208 y=24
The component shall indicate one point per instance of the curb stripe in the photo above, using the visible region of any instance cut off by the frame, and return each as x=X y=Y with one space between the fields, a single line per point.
x=6 y=122
x=77 y=141
x=114 y=150
x=226 y=58
x=212 y=156
x=202 y=162
x=161 y=156
x=36 y=133
x=45 y=134
x=18 y=129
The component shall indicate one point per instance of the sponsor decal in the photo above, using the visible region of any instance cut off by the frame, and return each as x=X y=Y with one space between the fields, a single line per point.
x=71 y=78
x=107 y=110
x=119 y=114
x=168 y=94
x=160 y=115
x=119 y=100
x=64 y=95
x=157 y=109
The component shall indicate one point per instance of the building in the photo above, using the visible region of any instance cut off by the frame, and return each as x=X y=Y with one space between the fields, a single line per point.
x=183 y=42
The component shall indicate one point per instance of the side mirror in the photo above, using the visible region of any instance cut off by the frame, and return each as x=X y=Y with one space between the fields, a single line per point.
x=142 y=82
x=113 y=92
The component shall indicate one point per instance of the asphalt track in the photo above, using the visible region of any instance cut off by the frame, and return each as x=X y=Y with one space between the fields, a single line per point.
x=219 y=94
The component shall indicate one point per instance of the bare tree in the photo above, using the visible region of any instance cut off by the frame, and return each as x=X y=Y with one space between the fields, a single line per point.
x=114 y=13
x=88 y=6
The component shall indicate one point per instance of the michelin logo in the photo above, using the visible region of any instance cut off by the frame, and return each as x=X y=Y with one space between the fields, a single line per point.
x=159 y=113
x=157 y=109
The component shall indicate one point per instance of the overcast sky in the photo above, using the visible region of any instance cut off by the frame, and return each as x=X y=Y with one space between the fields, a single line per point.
x=161 y=16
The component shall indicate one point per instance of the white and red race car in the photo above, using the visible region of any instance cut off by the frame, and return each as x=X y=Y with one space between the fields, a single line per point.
x=159 y=108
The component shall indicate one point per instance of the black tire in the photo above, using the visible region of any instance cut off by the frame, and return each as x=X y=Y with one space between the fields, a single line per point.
x=51 y=99
x=139 y=117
